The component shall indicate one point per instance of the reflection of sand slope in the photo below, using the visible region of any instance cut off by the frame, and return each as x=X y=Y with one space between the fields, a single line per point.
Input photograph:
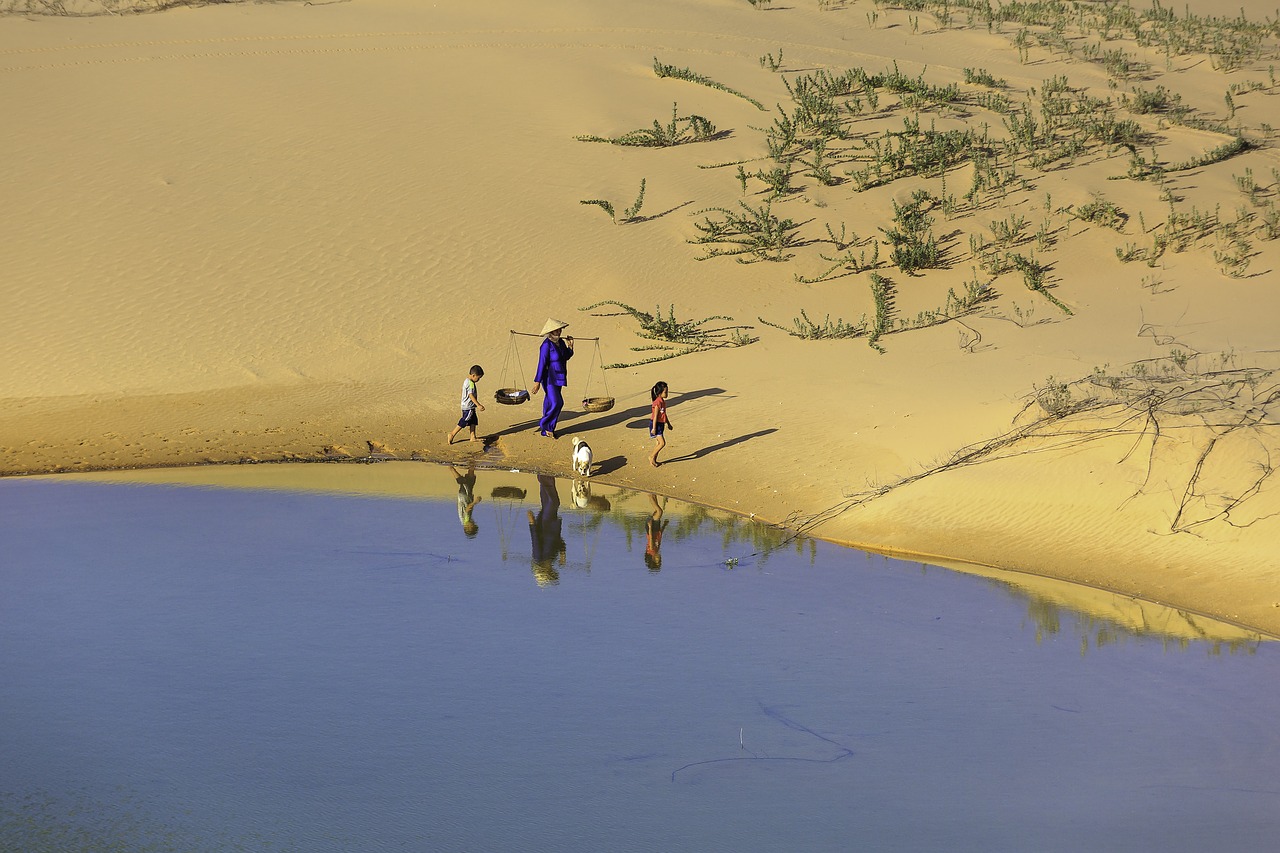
x=407 y=480
x=1143 y=618
x=382 y=480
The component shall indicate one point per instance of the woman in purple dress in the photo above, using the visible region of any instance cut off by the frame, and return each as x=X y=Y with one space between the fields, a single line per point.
x=552 y=374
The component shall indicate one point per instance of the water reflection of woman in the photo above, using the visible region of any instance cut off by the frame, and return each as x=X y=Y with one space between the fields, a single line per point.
x=653 y=533
x=545 y=531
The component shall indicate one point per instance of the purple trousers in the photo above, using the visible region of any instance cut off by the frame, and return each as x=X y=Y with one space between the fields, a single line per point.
x=552 y=404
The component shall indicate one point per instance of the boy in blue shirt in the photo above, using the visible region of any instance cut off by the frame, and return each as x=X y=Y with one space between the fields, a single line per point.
x=469 y=403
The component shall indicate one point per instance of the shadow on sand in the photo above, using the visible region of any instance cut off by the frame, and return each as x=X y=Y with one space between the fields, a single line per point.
x=637 y=415
x=706 y=451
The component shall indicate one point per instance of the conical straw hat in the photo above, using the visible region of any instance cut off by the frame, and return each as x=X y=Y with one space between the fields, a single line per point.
x=551 y=326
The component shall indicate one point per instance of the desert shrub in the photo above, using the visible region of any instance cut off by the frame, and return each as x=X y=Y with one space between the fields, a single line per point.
x=676 y=337
x=913 y=244
x=982 y=77
x=803 y=327
x=1034 y=277
x=1236 y=145
x=751 y=233
x=1102 y=212
x=882 y=296
x=678 y=131
x=1158 y=100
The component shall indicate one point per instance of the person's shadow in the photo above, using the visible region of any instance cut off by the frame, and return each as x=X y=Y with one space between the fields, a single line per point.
x=637 y=415
x=698 y=454
x=546 y=534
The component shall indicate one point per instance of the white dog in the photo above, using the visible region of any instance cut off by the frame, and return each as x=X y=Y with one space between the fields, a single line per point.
x=581 y=457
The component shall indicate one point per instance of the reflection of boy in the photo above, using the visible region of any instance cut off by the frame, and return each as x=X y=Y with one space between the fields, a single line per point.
x=466 y=500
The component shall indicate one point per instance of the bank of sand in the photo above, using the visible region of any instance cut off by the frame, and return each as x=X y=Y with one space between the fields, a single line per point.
x=285 y=231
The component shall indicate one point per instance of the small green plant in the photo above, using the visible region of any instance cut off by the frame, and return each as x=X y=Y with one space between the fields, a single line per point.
x=1158 y=100
x=1236 y=145
x=1034 y=277
x=1128 y=252
x=771 y=62
x=819 y=166
x=846 y=263
x=664 y=70
x=982 y=77
x=1008 y=231
x=1102 y=212
x=803 y=327
x=678 y=131
x=606 y=206
x=1055 y=398
x=751 y=233
x=914 y=246
x=631 y=214
x=882 y=295
x=1270 y=222
x=676 y=337
x=777 y=179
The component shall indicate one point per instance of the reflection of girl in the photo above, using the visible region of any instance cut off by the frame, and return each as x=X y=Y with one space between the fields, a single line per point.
x=552 y=374
x=653 y=533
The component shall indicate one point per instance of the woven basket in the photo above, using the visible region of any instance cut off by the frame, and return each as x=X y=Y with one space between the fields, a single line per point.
x=511 y=396
x=597 y=404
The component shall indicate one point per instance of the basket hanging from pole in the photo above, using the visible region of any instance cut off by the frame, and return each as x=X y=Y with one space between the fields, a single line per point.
x=597 y=404
x=506 y=395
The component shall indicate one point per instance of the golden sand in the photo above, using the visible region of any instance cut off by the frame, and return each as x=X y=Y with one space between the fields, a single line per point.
x=281 y=231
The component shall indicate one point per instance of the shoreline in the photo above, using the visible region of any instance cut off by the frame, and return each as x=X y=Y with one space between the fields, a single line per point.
x=1017 y=577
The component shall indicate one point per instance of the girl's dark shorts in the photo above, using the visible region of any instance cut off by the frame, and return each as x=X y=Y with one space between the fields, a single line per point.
x=659 y=428
x=468 y=418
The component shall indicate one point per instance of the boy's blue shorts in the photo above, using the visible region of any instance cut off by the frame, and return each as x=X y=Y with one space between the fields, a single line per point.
x=468 y=418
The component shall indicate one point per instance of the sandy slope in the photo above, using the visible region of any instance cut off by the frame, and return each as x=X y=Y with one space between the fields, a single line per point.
x=274 y=231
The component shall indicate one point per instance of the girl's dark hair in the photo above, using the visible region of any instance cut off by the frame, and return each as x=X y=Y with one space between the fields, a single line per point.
x=656 y=390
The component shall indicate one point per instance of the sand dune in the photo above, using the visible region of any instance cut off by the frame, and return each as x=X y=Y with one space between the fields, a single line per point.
x=285 y=231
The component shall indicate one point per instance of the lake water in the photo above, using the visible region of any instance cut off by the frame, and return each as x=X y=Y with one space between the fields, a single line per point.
x=355 y=667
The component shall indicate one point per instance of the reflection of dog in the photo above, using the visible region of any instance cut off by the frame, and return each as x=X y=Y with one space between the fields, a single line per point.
x=581 y=458
x=583 y=499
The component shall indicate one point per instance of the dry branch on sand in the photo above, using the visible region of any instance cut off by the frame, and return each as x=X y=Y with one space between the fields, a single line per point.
x=1211 y=434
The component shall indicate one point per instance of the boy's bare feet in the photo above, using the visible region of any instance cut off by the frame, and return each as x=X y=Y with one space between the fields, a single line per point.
x=655 y=463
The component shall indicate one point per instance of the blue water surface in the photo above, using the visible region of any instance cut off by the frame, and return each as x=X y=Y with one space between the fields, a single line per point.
x=220 y=669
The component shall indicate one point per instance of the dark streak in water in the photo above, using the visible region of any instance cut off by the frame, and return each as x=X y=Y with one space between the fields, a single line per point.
x=773 y=713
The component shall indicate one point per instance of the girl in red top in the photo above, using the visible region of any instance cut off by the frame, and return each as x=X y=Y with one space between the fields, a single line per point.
x=658 y=421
